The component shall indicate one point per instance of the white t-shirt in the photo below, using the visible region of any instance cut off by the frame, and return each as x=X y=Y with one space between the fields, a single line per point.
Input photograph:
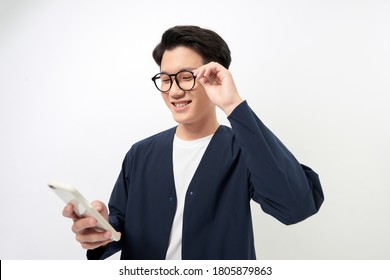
x=186 y=158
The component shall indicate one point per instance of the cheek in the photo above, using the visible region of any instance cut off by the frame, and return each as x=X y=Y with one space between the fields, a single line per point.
x=202 y=96
x=198 y=87
x=200 y=93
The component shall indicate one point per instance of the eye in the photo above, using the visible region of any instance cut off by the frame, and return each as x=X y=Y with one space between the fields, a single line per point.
x=186 y=76
x=165 y=79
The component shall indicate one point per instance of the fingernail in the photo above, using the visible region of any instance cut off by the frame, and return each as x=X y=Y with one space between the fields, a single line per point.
x=107 y=235
x=92 y=222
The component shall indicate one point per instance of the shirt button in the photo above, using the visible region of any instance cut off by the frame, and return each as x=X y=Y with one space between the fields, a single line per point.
x=170 y=199
x=191 y=193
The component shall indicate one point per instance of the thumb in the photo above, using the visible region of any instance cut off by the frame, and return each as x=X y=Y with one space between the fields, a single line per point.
x=100 y=207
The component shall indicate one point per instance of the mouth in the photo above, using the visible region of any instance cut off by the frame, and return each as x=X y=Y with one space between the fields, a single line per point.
x=181 y=104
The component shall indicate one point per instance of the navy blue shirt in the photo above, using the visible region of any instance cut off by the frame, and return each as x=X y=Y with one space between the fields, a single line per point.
x=241 y=163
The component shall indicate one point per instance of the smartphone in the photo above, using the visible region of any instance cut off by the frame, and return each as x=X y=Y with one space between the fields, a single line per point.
x=82 y=208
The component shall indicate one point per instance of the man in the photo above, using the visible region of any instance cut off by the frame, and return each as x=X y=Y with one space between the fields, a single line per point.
x=185 y=193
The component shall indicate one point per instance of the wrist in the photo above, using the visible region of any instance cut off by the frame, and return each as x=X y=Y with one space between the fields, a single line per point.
x=230 y=108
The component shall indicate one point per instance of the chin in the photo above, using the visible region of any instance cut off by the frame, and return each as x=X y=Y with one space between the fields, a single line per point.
x=180 y=120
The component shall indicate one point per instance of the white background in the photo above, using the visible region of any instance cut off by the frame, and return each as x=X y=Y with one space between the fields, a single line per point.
x=75 y=94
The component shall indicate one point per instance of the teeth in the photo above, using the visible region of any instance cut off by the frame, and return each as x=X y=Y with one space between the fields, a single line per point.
x=182 y=104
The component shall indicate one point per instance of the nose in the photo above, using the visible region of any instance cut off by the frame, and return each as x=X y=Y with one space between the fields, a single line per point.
x=175 y=91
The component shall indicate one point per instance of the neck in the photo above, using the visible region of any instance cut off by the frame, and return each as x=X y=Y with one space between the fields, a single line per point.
x=196 y=131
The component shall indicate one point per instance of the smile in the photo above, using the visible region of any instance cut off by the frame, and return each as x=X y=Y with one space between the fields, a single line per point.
x=181 y=104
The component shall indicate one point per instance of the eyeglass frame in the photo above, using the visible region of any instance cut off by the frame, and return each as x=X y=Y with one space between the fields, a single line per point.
x=156 y=77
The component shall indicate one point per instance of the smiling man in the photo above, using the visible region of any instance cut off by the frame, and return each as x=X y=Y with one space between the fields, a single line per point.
x=185 y=193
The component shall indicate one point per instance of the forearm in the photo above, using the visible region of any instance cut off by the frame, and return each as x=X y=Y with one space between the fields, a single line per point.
x=279 y=182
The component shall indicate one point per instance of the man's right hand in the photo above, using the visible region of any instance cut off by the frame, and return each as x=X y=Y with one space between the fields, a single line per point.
x=87 y=234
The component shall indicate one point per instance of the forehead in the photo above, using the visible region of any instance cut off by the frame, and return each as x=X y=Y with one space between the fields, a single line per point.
x=180 y=58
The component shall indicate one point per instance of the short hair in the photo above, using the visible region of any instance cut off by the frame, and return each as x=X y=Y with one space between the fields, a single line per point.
x=207 y=43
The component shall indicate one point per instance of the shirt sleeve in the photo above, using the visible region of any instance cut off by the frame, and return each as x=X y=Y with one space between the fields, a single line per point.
x=117 y=208
x=283 y=187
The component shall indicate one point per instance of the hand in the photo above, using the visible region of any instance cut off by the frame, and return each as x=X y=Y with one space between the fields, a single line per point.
x=87 y=234
x=219 y=85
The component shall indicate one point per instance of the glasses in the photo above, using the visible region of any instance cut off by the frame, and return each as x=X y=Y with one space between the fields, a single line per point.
x=185 y=80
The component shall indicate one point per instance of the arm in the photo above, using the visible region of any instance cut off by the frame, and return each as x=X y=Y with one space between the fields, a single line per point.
x=117 y=207
x=284 y=188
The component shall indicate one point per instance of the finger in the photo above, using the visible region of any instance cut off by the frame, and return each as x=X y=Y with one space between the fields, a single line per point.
x=93 y=245
x=83 y=224
x=212 y=73
x=69 y=213
x=200 y=72
x=94 y=240
x=101 y=208
x=91 y=236
x=207 y=71
x=97 y=205
x=212 y=67
x=209 y=80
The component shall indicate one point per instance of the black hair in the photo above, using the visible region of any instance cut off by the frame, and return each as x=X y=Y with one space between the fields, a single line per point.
x=208 y=44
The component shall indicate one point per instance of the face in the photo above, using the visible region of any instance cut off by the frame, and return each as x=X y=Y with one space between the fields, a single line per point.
x=188 y=107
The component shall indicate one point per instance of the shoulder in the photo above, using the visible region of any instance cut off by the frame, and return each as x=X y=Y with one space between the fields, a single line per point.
x=223 y=139
x=226 y=130
x=224 y=134
x=158 y=140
